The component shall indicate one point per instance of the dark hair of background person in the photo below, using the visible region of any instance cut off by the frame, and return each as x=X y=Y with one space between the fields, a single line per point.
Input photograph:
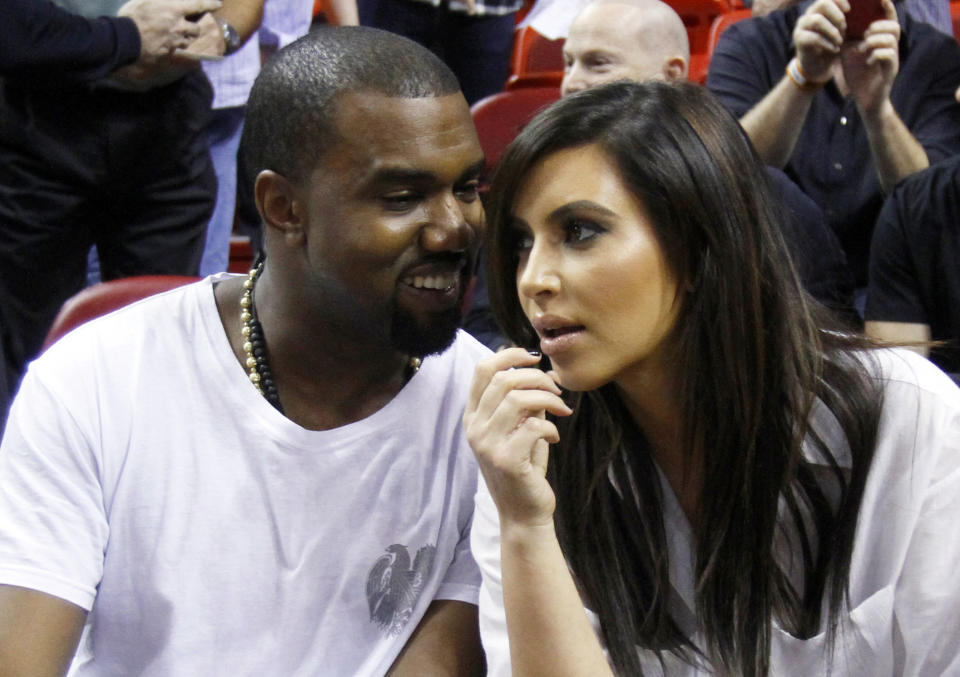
x=289 y=119
x=753 y=354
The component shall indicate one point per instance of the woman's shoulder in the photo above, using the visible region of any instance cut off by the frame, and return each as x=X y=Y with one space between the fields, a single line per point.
x=903 y=372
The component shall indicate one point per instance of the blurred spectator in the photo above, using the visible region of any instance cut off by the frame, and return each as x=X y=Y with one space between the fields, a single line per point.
x=846 y=119
x=934 y=12
x=43 y=41
x=474 y=37
x=914 y=290
x=119 y=161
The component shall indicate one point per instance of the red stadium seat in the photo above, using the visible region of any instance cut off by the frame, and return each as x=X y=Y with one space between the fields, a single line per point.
x=536 y=61
x=698 y=16
x=100 y=299
x=241 y=254
x=499 y=117
x=722 y=23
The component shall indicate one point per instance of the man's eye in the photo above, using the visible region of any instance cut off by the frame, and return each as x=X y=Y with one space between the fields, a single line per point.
x=399 y=201
x=469 y=191
x=580 y=230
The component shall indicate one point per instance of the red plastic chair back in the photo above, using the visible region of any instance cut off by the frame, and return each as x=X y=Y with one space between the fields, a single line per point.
x=536 y=61
x=500 y=116
x=722 y=23
x=698 y=16
x=100 y=299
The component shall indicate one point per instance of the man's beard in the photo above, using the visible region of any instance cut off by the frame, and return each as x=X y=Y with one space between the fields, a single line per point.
x=420 y=340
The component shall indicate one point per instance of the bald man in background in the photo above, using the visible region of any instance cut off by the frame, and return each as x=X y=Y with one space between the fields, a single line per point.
x=624 y=40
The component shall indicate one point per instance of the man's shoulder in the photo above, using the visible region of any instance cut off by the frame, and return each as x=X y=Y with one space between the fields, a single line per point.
x=927 y=201
x=109 y=339
x=773 y=30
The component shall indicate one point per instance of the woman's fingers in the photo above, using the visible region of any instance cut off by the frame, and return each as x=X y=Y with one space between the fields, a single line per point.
x=498 y=362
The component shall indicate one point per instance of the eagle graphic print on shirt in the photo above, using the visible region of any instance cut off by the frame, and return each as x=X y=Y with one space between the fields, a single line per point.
x=393 y=586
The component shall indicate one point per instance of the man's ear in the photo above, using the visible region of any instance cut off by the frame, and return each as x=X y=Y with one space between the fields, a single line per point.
x=279 y=204
x=675 y=69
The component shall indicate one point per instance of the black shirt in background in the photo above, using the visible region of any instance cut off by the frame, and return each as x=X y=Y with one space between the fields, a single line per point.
x=915 y=259
x=41 y=44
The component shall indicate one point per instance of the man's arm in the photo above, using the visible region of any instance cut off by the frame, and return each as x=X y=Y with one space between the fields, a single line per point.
x=42 y=41
x=446 y=643
x=774 y=124
x=38 y=633
x=869 y=69
x=901 y=333
x=244 y=15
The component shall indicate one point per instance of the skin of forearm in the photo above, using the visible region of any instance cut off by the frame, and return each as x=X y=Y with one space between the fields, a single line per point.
x=549 y=631
x=774 y=124
x=345 y=12
x=244 y=15
x=896 y=153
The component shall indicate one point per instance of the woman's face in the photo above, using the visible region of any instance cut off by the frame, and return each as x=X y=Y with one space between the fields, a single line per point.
x=591 y=275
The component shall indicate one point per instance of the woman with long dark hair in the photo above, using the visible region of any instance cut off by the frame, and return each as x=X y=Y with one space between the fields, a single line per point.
x=735 y=485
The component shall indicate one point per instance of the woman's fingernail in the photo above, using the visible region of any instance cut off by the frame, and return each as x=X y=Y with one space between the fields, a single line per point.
x=534 y=353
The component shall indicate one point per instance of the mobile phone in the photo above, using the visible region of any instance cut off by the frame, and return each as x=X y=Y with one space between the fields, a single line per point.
x=862 y=13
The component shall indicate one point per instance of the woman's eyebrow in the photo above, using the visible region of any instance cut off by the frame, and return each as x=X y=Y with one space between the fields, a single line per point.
x=578 y=207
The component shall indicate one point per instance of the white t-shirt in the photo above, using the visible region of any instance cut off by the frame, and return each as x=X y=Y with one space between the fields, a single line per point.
x=143 y=478
x=904 y=585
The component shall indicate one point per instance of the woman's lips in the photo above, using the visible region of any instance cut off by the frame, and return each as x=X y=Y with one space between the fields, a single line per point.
x=559 y=339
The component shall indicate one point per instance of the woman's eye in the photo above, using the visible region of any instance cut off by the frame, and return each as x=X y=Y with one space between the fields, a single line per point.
x=579 y=230
x=522 y=242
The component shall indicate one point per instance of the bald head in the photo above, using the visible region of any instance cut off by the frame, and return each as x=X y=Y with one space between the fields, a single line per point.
x=624 y=40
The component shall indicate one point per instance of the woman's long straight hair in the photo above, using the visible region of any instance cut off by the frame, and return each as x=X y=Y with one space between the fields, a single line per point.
x=753 y=355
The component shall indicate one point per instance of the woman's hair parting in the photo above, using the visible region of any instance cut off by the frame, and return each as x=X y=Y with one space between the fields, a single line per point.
x=752 y=355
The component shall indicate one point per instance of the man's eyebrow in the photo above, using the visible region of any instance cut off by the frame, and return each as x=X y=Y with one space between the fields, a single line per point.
x=402 y=175
x=474 y=170
x=406 y=175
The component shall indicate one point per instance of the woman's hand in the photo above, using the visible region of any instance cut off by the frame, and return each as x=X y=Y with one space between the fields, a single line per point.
x=505 y=421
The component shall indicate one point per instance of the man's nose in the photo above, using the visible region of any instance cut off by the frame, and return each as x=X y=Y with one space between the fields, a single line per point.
x=447 y=229
x=572 y=80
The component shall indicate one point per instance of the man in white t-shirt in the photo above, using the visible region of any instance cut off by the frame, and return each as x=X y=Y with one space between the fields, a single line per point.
x=267 y=474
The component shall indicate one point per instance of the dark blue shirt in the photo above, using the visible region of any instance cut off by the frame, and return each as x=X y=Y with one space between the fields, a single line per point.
x=831 y=161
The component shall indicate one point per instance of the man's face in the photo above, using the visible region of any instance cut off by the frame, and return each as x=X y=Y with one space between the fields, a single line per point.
x=606 y=43
x=393 y=218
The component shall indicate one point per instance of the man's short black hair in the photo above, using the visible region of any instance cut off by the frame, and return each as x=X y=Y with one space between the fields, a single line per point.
x=290 y=110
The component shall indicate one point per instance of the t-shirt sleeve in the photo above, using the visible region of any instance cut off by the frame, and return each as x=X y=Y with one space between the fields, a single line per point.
x=486 y=550
x=53 y=525
x=737 y=75
x=893 y=293
x=462 y=580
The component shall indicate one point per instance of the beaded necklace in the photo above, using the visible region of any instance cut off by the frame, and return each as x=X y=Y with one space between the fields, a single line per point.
x=254 y=346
